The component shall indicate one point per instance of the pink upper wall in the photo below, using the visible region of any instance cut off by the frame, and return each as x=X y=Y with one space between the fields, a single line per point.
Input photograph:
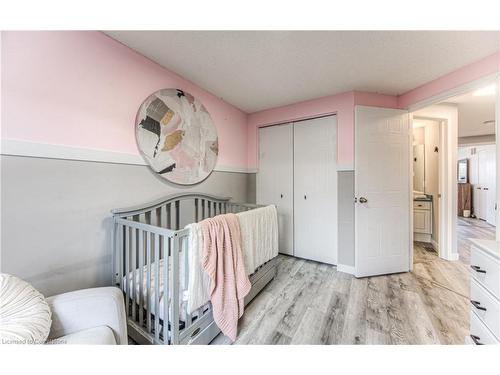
x=341 y=104
x=83 y=89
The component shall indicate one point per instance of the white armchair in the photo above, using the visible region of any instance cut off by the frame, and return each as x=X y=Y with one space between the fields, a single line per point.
x=88 y=316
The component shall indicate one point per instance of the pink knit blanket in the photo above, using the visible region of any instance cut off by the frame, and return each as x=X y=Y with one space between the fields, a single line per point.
x=222 y=260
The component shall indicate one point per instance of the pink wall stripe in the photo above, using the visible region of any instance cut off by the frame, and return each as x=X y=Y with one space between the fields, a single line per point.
x=83 y=89
x=340 y=104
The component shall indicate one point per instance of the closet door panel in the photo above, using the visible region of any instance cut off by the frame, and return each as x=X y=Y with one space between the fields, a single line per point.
x=275 y=178
x=315 y=189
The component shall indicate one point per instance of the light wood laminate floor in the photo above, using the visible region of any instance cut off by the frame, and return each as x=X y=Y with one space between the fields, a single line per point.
x=312 y=303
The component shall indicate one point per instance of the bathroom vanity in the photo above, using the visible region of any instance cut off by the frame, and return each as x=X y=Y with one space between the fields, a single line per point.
x=422 y=218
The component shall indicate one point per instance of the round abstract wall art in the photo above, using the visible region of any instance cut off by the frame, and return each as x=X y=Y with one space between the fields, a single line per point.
x=177 y=136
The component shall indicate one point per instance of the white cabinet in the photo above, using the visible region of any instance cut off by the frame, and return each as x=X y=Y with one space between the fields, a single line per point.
x=422 y=220
x=298 y=173
x=275 y=178
x=485 y=292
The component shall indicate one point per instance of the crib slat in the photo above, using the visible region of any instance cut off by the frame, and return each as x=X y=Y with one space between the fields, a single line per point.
x=185 y=266
x=166 y=293
x=127 y=269
x=158 y=216
x=163 y=216
x=154 y=218
x=175 y=290
x=177 y=214
x=141 y=277
x=121 y=244
x=148 y=281
x=169 y=219
x=157 y=286
x=196 y=211
x=134 y=270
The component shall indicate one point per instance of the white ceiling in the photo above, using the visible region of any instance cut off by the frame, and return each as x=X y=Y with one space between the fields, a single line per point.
x=473 y=111
x=256 y=70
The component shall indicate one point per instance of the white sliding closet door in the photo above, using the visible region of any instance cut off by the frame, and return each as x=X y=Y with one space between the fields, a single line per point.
x=275 y=178
x=315 y=189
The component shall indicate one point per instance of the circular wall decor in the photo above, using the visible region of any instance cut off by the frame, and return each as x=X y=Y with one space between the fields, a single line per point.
x=177 y=136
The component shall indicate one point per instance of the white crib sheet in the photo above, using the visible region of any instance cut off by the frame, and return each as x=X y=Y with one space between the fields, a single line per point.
x=152 y=297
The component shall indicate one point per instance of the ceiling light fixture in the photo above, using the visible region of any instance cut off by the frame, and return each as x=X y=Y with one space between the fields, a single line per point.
x=485 y=91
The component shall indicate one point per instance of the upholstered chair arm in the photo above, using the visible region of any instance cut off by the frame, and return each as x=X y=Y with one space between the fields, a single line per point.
x=88 y=308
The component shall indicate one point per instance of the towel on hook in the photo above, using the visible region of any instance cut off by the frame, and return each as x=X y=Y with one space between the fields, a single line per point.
x=223 y=262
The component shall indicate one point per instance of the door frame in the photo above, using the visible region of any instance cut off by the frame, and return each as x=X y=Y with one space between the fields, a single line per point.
x=448 y=220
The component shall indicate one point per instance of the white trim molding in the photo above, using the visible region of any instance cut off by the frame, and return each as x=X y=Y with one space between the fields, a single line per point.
x=345 y=167
x=452 y=256
x=455 y=91
x=15 y=147
x=346 y=269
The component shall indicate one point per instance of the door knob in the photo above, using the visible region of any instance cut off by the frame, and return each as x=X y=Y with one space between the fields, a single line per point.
x=363 y=200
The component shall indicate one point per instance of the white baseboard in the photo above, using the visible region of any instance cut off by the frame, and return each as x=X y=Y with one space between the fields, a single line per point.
x=435 y=245
x=345 y=167
x=453 y=256
x=422 y=237
x=15 y=147
x=346 y=269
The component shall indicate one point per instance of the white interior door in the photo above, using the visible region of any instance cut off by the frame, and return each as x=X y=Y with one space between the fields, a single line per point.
x=382 y=178
x=275 y=178
x=315 y=189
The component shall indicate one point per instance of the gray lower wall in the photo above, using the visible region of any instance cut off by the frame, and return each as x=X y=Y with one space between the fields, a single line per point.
x=55 y=215
x=252 y=188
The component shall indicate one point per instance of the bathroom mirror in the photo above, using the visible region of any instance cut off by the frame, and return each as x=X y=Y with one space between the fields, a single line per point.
x=462 y=171
x=419 y=168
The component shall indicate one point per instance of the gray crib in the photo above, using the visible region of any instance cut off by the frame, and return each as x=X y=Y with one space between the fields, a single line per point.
x=149 y=237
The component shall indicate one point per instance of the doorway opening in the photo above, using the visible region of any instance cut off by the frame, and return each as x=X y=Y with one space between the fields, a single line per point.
x=454 y=174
